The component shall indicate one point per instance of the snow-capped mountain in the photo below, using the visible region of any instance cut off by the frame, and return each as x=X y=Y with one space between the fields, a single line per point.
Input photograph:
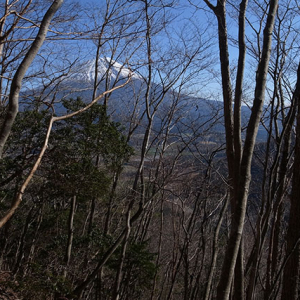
x=85 y=72
x=127 y=105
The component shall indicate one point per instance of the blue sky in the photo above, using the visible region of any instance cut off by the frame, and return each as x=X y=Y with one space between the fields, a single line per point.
x=196 y=22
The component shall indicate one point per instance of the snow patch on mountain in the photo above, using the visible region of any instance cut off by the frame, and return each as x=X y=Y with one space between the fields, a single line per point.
x=85 y=72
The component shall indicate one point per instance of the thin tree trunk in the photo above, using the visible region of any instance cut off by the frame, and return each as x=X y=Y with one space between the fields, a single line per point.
x=215 y=251
x=239 y=286
x=33 y=243
x=78 y=290
x=3 y=242
x=116 y=294
x=20 y=250
x=274 y=244
x=159 y=246
x=70 y=236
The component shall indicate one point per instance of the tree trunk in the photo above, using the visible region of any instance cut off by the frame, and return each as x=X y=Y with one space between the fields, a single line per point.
x=245 y=168
x=70 y=236
x=116 y=293
x=215 y=251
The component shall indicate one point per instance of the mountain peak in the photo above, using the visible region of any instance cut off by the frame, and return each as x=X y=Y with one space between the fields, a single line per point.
x=85 y=72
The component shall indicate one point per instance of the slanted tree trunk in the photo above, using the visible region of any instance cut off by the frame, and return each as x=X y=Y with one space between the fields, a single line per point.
x=13 y=105
x=18 y=198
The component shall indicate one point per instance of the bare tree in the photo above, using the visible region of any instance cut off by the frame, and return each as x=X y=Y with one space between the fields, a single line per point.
x=239 y=156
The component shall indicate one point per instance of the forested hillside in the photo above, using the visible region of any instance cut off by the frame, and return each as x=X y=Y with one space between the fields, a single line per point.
x=149 y=149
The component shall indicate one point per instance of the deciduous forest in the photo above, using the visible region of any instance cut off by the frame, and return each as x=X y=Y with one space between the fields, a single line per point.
x=149 y=149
